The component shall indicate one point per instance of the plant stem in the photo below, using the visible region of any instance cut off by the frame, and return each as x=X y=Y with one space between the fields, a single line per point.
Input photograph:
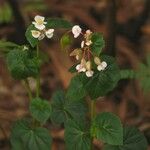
x=26 y=84
x=92 y=113
x=38 y=78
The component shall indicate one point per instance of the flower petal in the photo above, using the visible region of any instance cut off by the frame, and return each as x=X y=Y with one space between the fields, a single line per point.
x=40 y=26
x=104 y=64
x=76 y=30
x=78 y=67
x=99 y=68
x=39 y=18
x=89 y=73
x=83 y=69
x=35 y=33
x=49 y=33
x=41 y=37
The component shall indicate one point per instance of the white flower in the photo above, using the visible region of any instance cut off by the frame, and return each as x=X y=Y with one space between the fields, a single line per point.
x=35 y=34
x=102 y=66
x=89 y=73
x=39 y=22
x=49 y=33
x=80 y=68
x=41 y=37
x=76 y=30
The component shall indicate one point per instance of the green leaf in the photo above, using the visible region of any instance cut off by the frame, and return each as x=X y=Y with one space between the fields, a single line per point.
x=64 y=109
x=40 y=110
x=65 y=41
x=23 y=137
x=58 y=23
x=22 y=64
x=77 y=136
x=133 y=139
x=33 y=41
x=76 y=89
x=108 y=128
x=104 y=81
x=98 y=43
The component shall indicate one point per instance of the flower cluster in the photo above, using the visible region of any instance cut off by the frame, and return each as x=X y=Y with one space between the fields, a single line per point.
x=40 y=25
x=85 y=55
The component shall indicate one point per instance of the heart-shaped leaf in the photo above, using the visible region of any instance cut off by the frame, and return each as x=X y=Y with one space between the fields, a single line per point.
x=99 y=85
x=108 y=128
x=64 y=109
x=40 y=109
x=133 y=139
x=22 y=64
x=24 y=137
x=104 y=81
x=77 y=136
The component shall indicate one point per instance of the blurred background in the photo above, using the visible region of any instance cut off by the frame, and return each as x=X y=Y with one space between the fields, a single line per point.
x=125 y=25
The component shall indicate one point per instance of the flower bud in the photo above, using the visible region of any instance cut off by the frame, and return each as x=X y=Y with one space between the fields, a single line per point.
x=88 y=65
x=104 y=64
x=97 y=60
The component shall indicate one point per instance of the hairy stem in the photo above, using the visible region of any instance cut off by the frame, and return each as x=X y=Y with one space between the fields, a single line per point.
x=92 y=113
x=27 y=86
x=38 y=78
